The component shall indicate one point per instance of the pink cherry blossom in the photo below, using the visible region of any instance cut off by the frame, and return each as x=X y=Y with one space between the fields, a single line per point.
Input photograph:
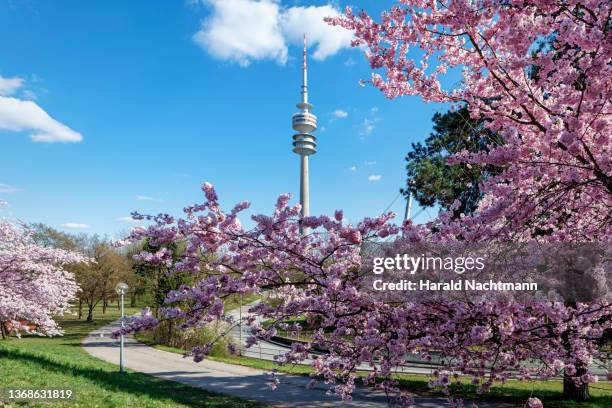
x=317 y=276
x=34 y=286
x=551 y=107
x=538 y=75
x=534 y=403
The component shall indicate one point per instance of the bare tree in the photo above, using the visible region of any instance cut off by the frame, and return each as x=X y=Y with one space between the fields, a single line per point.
x=98 y=279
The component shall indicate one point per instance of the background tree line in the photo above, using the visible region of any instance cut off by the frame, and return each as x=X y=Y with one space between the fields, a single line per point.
x=148 y=285
x=97 y=279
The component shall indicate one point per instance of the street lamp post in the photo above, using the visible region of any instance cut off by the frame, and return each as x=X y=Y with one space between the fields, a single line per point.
x=240 y=327
x=121 y=290
x=408 y=201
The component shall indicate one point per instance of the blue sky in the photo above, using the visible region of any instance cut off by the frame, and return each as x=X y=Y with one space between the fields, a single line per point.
x=109 y=107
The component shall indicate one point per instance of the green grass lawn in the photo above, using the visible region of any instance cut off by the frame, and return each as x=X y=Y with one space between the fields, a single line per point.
x=550 y=392
x=234 y=301
x=39 y=362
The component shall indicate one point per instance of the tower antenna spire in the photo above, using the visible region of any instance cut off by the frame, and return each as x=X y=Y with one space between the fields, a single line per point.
x=305 y=76
x=304 y=50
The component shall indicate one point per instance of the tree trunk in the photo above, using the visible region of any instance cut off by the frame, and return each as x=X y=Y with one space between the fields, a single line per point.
x=104 y=305
x=90 y=313
x=133 y=300
x=2 y=330
x=118 y=304
x=170 y=339
x=573 y=391
x=80 y=309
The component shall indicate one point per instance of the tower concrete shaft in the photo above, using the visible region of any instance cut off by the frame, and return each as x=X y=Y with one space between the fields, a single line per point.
x=304 y=186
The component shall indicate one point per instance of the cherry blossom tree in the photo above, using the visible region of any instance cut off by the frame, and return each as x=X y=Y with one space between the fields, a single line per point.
x=538 y=74
x=535 y=72
x=319 y=276
x=34 y=286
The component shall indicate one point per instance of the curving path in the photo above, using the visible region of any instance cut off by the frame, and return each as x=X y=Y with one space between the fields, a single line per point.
x=239 y=381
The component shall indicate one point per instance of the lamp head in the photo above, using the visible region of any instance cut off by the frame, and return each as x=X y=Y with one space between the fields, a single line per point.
x=121 y=288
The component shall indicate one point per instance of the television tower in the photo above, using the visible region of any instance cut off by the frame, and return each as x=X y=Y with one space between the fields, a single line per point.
x=304 y=143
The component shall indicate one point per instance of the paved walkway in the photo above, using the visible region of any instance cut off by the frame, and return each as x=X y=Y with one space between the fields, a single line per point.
x=234 y=380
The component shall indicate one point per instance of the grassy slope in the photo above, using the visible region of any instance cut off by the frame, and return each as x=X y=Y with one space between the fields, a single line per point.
x=39 y=362
x=550 y=392
x=233 y=302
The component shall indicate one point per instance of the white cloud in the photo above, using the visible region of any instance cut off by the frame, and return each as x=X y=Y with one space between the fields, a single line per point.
x=242 y=31
x=353 y=168
x=369 y=162
x=19 y=115
x=309 y=20
x=127 y=219
x=368 y=124
x=374 y=177
x=8 y=86
x=28 y=94
x=340 y=114
x=146 y=198
x=6 y=188
x=367 y=127
x=26 y=116
x=349 y=62
x=74 y=225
